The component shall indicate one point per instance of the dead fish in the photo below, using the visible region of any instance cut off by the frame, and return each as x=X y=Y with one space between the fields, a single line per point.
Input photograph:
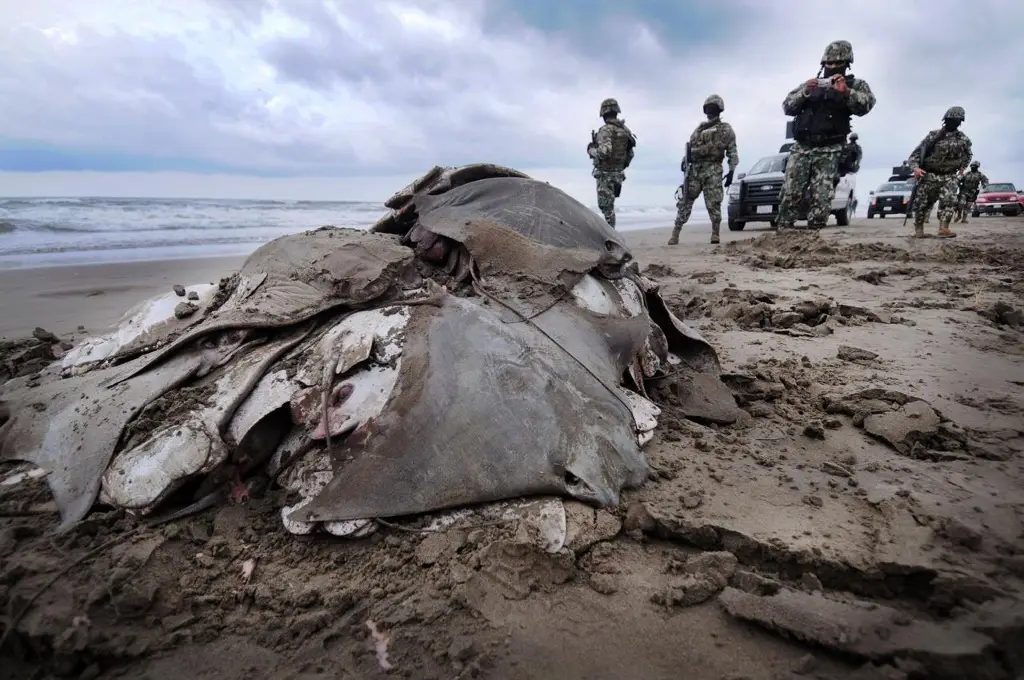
x=526 y=380
x=517 y=417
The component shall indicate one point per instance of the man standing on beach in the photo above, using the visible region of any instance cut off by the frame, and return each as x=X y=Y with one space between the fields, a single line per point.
x=713 y=140
x=970 y=186
x=936 y=163
x=611 y=150
x=821 y=108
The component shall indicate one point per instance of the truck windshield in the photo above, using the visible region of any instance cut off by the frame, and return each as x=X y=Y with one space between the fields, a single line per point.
x=770 y=164
x=895 y=186
x=995 y=187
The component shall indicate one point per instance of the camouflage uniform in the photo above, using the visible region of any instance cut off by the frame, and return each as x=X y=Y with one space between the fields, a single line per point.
x=711 y=142
x=941 y=154
x=970 y=185
x=611 y=151
x=813 y=163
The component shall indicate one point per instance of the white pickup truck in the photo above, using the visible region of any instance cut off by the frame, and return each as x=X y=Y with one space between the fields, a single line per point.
x=755 y=196
x=890 y=198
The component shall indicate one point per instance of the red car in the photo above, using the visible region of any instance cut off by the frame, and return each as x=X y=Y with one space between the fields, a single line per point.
x=999 y=198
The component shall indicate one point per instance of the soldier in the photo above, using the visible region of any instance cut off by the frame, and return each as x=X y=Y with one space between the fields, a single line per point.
x=856 y=153
x=936 y=162
x=849 y=162
x=970 y=185
x=821 y=110
x=713 y=140
x=611 y=149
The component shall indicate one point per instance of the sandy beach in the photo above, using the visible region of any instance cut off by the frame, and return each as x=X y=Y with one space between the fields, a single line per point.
x=861 y=518
x=60 y=299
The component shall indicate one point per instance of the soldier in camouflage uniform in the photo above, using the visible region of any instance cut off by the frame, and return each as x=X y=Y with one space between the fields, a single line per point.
x=970 y=186
x=611 y=149
x=713 y=140
x=936 y=163
x=821 y=121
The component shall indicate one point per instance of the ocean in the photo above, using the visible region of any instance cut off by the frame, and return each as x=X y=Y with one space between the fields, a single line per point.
x=44 y=232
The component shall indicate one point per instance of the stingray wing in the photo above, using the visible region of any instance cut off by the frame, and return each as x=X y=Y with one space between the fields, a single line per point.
x=305 y=275
x=71 y=427
x=483 y=411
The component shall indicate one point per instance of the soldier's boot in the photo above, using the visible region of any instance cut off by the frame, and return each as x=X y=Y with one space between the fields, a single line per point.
x=944 y=231
x=673 y=240
x=715 y=229
x=963 y=219
x=918 y=230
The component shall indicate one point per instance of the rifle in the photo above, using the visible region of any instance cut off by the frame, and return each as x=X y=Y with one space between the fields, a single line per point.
x=925 y=152
x=686 y=174
x=592 y=147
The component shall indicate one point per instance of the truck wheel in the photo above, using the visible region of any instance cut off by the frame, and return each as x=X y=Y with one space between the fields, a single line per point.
x=871 y=215
x=1012 y=212
x=975 y=213
x=736 y=225
x=843 y=216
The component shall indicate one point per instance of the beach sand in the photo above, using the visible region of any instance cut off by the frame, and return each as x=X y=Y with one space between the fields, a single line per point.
x=60 y=299
x=807 y=494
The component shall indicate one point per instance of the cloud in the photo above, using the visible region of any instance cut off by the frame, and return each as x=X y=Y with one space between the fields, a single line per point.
x=354 y=89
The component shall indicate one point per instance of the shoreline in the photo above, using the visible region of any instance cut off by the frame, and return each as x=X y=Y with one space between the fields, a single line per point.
x=60 y=298
x=95 y=296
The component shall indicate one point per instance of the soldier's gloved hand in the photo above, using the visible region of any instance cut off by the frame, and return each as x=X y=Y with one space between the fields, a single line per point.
x=728 y=179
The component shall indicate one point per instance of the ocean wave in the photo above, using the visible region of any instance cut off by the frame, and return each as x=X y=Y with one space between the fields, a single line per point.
x=50 y=229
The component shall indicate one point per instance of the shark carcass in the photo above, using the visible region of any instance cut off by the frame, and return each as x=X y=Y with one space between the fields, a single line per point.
x=489 y=338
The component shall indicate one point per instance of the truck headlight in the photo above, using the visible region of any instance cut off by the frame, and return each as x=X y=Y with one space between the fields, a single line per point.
x=734 y=191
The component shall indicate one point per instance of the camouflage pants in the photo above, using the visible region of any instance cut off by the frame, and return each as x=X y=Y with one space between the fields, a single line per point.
x=609 y=184
x=703 y=178
x=812 y=171
x=963 y=205
x=931 y=188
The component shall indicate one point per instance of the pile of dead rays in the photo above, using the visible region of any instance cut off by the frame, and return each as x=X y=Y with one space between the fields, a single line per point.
x=490 y=338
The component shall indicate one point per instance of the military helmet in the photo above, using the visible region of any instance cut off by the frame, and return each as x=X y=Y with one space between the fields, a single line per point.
x=955 y=113
x=716 y=100
x=975 y=164
x=838 y=50
x=609 y=106
x=854 y=137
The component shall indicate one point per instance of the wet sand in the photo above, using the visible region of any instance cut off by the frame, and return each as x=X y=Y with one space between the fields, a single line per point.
x=60 y=299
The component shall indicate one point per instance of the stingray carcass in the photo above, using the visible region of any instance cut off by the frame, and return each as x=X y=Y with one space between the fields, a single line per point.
x=490 y=338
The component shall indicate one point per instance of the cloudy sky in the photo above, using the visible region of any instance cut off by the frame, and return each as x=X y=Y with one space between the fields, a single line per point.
x=350 y=99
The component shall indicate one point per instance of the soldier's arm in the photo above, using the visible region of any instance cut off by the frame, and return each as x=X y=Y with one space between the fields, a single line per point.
x=604 y=142
x=731 y=154
x=631 y=147
x=968 y=153
x=914 y=161
x=861 y=99
x=794 y=101
x=984 y=180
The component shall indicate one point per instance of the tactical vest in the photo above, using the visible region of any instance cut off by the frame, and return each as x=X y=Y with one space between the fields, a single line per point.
x=947 y=154
x=621 y=143
x=825 y=118
x=710 y=150
x=971 y=183
x=849 y=159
